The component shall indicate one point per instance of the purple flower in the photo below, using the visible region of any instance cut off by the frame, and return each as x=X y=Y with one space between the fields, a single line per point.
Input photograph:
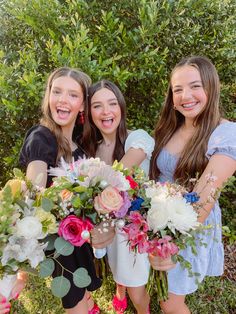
x=124 y=208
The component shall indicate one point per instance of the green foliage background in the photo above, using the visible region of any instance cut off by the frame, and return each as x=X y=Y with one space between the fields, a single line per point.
x=134 y=43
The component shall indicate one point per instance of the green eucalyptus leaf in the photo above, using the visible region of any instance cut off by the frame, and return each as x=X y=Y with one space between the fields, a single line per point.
x=47 y=204
x=63 y=247
x=81 y=278
x=50 y=239
x=60 y=286
x=46 y=268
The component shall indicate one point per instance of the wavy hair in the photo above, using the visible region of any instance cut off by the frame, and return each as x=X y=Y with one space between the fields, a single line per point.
x=84 y=81
x=192 y=160
x=91 y=135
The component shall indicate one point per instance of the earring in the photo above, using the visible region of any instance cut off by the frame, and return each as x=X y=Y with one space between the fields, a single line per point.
x=80 y=119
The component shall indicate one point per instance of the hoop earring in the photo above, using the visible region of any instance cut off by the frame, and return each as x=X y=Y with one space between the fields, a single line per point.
x=80 y=118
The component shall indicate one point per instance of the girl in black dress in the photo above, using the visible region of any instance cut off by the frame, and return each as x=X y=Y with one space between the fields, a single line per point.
x=64 y=101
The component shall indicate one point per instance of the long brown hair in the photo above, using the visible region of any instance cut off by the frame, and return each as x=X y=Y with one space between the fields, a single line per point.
x=192 y=160
x=84 y=81
x=92 y=135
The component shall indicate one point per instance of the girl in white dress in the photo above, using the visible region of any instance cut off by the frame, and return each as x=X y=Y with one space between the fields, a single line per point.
x=106 y=136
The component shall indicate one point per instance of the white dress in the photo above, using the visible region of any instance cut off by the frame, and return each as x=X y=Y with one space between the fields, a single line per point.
x=130 y=269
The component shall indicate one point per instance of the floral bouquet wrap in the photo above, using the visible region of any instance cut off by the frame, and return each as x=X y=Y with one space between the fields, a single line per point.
x=23 y=230
x=84 y=193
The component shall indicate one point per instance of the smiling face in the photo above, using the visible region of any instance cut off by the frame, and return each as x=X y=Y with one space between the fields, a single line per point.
x=105 y=112
x=189 y=96
x=65 y=101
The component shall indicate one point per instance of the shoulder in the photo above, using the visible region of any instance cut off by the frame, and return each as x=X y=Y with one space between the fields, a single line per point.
x=140 y=139
x=223 y=140
x=40 y=132
x=39 y=144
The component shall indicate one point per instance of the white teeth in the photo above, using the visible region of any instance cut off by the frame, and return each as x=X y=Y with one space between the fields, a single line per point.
x=188 y=105
x=107 y=119
x=63 y=109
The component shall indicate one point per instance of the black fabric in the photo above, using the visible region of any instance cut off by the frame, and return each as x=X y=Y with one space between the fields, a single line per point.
x=40 y=144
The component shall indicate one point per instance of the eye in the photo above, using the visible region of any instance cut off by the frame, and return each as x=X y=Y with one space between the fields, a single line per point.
x=195 y=86
x=55 y=92
x=96 y=106
x=74 y=95
x=114 y=103
x=177 y=90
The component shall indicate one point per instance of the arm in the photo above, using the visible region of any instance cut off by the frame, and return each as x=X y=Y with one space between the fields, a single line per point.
x=133 y=157
x=222 y=168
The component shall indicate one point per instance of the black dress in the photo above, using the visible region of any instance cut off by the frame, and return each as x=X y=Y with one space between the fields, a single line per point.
x=41 y=144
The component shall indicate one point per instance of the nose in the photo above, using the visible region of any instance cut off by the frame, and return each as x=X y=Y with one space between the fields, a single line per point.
x=106 y=109
x=186 y=94
x=63 y=98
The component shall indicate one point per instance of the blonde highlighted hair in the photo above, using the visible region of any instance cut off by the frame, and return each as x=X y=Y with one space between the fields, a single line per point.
x=84 y=81
x=192 y=160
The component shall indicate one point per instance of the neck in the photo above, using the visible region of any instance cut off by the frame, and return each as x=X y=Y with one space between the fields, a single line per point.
x=109 y=140
x=67 y=132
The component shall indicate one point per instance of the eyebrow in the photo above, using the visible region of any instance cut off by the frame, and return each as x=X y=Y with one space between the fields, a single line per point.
x=193 y=82
x=69 y=90
x=99 y=102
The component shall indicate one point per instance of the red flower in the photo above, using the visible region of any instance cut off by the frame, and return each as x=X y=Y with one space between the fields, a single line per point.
x=132 y=183
x=71 y=228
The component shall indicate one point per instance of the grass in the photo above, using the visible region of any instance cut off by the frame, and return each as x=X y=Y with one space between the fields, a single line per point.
x=215 y=296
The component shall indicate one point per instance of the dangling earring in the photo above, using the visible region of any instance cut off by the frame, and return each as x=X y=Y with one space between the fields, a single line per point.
x=80 y=118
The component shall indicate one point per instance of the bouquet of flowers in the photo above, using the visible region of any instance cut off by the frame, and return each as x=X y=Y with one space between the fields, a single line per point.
x=23 y=230
x=165 y=223
x=83 y=194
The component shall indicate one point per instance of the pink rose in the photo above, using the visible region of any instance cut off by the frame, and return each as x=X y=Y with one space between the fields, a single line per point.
x=108 y=201
x=71 y=228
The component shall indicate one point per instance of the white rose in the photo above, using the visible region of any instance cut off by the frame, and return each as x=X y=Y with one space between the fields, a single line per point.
x=157 y=190
x=183 y=217
x=29 y=227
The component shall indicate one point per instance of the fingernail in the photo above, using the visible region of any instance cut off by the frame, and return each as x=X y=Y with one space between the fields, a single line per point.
x=3 y=300
x=16 y=296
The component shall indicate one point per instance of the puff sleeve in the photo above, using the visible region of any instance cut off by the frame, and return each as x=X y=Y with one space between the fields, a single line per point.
x=140 y=139
x=223 y=141
x=39 y=144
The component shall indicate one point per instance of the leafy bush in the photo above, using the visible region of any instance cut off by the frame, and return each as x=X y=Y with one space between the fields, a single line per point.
x=134 y=43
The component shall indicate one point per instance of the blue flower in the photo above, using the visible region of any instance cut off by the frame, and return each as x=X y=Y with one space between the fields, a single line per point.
x=191 y=197
x=136 y=204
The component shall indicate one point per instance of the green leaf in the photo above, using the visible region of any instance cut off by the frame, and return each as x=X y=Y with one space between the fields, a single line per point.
x=60 y=286
x=81 y=278
x=46 y=268
x=63 y=247
x=79 y=189
x=47 y=204
x=50 y=239
x=18 y=173
x=76 y=201
x=93 y=217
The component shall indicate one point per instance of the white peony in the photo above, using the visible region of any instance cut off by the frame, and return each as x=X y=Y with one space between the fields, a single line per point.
x=182 y=216
x=29 y=227
x=158 y=216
